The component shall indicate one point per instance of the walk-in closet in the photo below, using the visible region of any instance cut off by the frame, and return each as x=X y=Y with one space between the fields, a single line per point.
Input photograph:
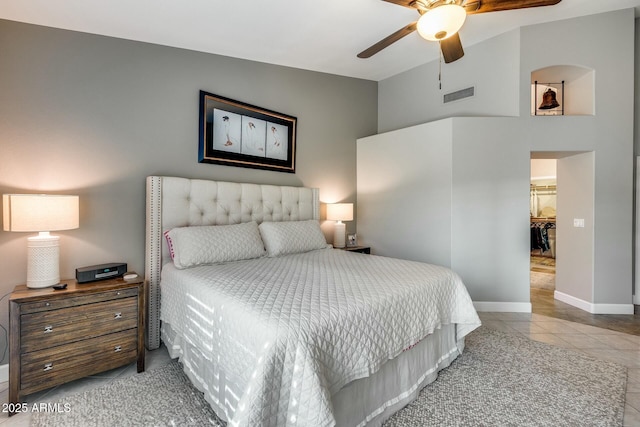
x=543 y=194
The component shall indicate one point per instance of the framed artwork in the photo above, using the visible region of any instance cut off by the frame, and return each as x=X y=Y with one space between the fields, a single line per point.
x=233 y=133
x=548 y=99
x=352 y=240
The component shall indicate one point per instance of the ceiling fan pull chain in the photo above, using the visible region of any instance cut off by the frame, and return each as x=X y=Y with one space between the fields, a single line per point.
x=440 y=67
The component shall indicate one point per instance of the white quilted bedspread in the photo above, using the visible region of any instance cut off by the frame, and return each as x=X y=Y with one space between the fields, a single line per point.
x=291 y=331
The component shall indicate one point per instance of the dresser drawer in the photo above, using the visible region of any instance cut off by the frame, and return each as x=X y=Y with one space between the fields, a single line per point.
x=58 y=327
x=56 y=303
x=59 y=336
x=46 y=368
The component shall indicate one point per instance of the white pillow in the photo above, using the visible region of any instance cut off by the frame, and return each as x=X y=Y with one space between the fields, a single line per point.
x=213 y=244
x=289 y=237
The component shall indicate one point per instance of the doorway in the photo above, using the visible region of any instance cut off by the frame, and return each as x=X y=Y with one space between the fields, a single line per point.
x=566 y=211
x=543 y=208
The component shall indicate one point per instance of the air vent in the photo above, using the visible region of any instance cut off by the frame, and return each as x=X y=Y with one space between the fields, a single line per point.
x=459 y=94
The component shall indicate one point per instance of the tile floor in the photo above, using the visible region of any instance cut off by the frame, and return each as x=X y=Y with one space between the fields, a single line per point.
x=543 y=302
x=601 y=343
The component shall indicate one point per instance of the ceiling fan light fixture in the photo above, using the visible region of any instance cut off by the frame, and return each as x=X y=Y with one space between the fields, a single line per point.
x=441 y=22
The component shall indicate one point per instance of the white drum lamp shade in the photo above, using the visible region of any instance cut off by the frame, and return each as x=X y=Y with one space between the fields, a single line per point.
x=41 y=213
x=339 y=212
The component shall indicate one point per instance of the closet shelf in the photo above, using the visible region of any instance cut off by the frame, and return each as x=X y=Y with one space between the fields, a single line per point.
x=543 y=186
x=542 y=219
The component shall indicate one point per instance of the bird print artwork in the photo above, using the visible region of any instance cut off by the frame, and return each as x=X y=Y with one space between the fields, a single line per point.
x=277 y=142
x=236 y=134
x=225 y=120
x=226 y=130
x=276 y=138
x=253 y=136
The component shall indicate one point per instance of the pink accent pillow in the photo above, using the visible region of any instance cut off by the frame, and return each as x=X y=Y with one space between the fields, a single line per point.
x=169 y=243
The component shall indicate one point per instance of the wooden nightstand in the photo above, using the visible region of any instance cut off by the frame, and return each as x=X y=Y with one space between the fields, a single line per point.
x=361 y=249
x=57 y=336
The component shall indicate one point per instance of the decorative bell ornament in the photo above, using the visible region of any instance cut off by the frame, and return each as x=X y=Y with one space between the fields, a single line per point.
x=549 y=100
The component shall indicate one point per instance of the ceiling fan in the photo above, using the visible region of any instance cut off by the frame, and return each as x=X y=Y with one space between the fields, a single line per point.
x=440 y=21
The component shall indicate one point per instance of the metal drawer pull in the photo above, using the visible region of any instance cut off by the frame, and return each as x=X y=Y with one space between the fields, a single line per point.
x=48 y=367
x=118 y=315
x=117 y=349
x=48 y=329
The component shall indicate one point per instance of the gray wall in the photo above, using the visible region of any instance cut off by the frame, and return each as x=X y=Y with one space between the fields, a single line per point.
x=414 y=97
x=91 y=115
x=491 y=212
x=609 y=133
x=405 y=191
x=575 y=245
x=636 y=152
x=636 y=91
x=507 y=143
x=438 y=193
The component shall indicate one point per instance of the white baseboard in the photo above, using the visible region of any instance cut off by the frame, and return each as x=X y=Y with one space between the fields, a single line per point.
x=4 y=373
x=502 y=307
x=594 y=308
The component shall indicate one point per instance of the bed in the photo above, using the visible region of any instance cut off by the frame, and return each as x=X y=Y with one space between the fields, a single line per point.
x=277 y=328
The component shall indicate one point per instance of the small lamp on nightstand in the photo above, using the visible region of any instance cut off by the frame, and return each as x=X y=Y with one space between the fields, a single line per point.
x=339 y=212
x=40 y=213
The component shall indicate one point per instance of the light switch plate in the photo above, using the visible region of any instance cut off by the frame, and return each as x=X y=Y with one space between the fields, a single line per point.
x=578 y=222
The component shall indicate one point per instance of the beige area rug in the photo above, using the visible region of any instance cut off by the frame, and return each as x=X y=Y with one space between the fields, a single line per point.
x=499 y=380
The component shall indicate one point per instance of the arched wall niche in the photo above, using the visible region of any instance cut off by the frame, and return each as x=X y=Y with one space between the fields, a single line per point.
x=578 y=97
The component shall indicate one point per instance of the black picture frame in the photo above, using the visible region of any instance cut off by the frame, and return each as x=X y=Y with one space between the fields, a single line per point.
x=548 y=99
x=234 y=133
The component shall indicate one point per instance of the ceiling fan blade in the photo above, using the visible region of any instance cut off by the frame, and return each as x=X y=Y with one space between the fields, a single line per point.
x=405 y=3
x=451 y=48
x=482 y=6
x=387 y=41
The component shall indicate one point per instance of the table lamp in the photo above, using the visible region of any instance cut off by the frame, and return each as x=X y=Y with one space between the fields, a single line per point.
x=40 y=213
x=339 y=212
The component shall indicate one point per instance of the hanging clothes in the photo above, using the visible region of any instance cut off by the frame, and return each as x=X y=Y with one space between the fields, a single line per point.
x=540 y=236
x=533 y=202
x=539 y=239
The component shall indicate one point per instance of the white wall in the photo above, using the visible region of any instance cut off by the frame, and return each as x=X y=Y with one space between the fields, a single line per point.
x=414 y=97
x=404 y=192
x=442 y=193
x=609 y=134
x=543 y=169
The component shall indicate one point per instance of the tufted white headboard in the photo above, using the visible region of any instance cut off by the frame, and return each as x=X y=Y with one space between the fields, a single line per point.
x=181 y=202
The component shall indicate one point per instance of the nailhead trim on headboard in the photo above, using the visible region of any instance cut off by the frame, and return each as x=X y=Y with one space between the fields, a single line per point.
x=181 y=202
x=153 y=257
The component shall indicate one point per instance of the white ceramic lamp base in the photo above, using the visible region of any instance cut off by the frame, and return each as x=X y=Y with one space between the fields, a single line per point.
x=43 y=255
x=338 y=235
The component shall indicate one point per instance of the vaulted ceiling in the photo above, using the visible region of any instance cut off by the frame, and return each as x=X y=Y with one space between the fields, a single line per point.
x=323 y=36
